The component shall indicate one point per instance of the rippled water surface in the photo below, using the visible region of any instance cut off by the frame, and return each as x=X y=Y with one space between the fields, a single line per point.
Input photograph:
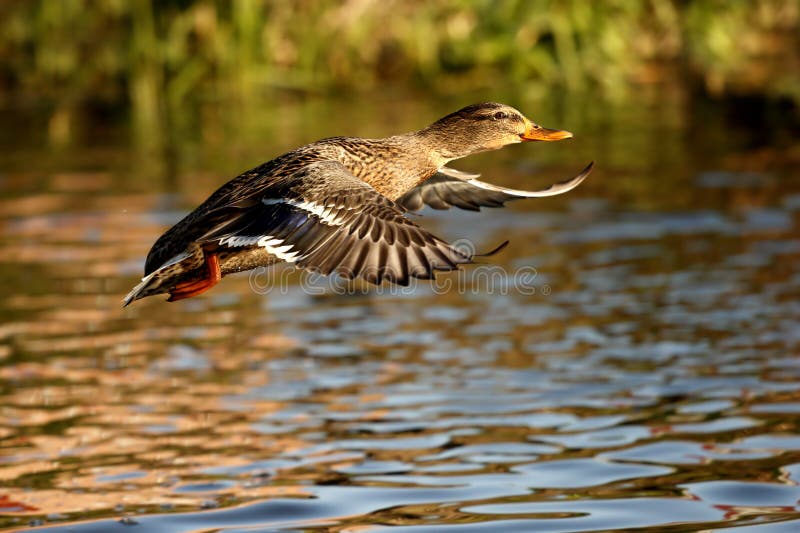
x=631 y=360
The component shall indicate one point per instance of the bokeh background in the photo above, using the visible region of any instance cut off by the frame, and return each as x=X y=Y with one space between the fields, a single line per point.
x=158 y=65
x=650 y=380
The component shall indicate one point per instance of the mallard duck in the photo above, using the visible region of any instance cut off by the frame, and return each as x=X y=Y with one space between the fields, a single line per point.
x=339 y=205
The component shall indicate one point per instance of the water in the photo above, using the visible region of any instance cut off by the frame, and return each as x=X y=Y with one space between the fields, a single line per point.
x=629 y=362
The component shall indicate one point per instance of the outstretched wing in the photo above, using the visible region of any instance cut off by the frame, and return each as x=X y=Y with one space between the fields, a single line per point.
x=453 y=188
x=324 y=219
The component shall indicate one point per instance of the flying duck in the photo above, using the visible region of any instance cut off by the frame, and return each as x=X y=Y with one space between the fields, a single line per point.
x=339 y=205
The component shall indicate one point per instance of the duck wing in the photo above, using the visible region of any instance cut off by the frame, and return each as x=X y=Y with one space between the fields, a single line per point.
x=454 y=188
x=324 y=219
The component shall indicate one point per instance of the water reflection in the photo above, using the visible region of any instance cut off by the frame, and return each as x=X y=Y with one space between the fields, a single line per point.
x=654 y=382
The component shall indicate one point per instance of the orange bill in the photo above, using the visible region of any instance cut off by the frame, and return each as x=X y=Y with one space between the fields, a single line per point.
x=534 y=132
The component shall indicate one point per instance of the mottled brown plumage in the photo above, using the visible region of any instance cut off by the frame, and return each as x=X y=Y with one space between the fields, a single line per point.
x=337 y=205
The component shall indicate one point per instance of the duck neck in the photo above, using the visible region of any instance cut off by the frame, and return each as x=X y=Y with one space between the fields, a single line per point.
x=445 y=145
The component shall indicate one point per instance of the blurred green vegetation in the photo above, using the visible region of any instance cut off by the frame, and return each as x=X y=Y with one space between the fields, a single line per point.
x=150 y=57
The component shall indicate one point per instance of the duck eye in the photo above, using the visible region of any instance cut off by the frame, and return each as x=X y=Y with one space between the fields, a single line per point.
x=500 y=115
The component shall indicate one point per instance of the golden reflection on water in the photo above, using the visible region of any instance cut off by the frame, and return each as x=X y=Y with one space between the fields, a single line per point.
x=671 y=323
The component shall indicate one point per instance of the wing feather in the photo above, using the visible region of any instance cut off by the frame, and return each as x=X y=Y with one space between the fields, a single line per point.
x=453 y=188
x=334 y=222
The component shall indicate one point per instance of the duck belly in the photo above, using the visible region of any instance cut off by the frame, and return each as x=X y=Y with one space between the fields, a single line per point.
x=232 y=261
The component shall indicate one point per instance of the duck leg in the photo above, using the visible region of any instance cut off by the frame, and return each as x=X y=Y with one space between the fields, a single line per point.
x=187 y=289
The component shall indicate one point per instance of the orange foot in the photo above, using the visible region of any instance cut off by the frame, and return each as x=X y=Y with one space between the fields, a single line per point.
x=187 y=289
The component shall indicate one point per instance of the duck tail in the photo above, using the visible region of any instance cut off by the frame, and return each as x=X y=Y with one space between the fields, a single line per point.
x=163 y=279
x=141 y=290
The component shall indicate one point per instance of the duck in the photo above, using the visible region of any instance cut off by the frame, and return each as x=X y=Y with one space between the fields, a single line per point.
x=342 y=204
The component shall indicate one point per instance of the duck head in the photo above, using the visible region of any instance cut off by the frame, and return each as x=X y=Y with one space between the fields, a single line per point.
x=481 y=127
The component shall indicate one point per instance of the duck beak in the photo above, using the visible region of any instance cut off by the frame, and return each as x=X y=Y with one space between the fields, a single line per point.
x=534 y=132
